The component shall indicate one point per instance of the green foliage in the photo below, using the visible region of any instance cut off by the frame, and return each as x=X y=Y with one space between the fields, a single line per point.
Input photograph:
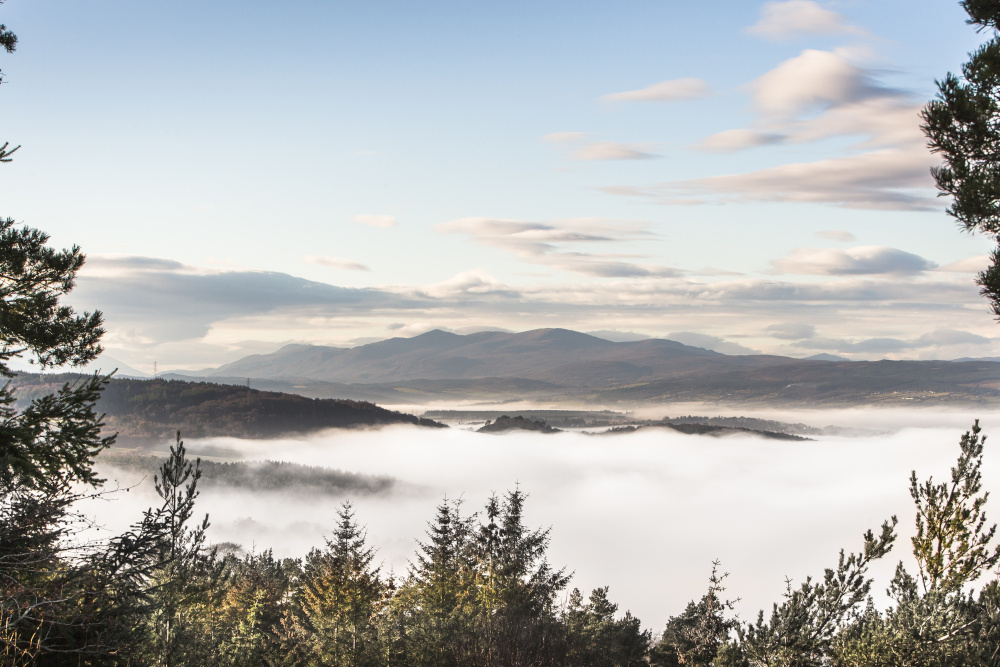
x=952 y=541
x=154 y=409
x=961 y=125
x=333 y=616
x=595 y=637
x=261 y=476
x=697 y=636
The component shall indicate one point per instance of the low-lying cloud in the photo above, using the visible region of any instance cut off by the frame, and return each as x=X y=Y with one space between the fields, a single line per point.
x=767 y=509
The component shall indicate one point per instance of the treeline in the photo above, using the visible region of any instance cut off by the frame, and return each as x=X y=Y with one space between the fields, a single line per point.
x=261 y=475
x=155 y=409
x=480 y=591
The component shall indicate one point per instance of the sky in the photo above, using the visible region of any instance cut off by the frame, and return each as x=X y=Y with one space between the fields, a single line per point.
x=743 y=176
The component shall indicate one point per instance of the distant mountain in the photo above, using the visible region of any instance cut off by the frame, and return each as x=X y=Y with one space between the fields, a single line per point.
x=550 y=355
x=826 y=357
x=562 y=366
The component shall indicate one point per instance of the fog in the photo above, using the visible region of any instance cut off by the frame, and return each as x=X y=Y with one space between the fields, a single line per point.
x=645 y=513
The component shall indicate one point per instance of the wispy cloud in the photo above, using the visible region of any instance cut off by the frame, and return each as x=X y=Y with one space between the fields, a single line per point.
x=816 y=96
x=887 y=179
x=862 y=260
x=836 y=235
x=564 y=137
x=383 y=221
x=940 y=338
x=709 y=342
x=782 y=20
x=791 y=330
x=337 y=263
x=968 y=265
x=613 y=150
x=675 y=90
x=735 y=140
x=546 y=243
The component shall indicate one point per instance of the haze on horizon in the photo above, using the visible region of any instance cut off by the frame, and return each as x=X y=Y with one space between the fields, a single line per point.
x=242 y=175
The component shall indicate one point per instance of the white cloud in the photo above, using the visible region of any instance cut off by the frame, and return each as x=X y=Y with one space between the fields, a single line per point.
x=546 y=242
x=564 y=137
x=780 y=20
x=708 y=342
x=792 y=330
x=612 y=150
x=836 y=235
x=665 y=91
x=734 y=140
x=383 y=221
x=815 y=96
x=337 y=263
x=862 y=260
x=968 y=265
x=887 y=179
x=813 y=79
x=935 y=339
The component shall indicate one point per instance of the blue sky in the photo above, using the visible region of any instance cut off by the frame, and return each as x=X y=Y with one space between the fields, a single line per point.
x=739 y=175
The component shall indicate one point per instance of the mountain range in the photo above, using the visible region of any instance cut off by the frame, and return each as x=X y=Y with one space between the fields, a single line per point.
x=560 y=365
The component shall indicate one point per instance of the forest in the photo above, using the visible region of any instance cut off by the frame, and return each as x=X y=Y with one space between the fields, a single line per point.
x=149 y=410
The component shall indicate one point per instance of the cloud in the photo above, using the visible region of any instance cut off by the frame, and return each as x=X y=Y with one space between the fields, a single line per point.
x=180 y=315
x=476 y=283
x=862 y=260
x=564 y=137
x=836 y=235
x=337 y=263
x=710 y=343
x=951 y=337
x=169 y=301
x=383 y=221
x=813 y=79
x=967 y=265
x=888 y=179
x=613 y=150
x=544 y=243
x=792 y=330
x=674 y=90
x=816 y=96
x=781 y=20
x=734 y=140
x=934 y=339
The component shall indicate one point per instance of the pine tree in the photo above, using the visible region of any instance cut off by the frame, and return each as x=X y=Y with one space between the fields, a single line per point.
x=333 y=618
x=962 y=126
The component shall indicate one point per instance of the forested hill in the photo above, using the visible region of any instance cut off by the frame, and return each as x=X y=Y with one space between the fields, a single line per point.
x=157 y=408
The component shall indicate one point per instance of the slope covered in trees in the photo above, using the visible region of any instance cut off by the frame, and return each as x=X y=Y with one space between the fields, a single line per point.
x=142 y=409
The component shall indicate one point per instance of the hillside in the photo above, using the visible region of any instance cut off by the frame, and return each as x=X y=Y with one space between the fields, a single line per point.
x=558 y=356
x=562 y=366
x=142 y=409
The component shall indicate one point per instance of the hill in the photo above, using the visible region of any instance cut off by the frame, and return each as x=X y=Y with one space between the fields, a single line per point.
x=562 y=366
x=144 y=409
x=556 y=356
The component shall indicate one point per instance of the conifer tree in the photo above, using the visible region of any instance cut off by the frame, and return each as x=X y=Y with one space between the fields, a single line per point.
x=962 y=126
x=333 y=617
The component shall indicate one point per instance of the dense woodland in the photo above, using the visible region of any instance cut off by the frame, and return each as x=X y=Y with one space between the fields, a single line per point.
x=154 y=409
